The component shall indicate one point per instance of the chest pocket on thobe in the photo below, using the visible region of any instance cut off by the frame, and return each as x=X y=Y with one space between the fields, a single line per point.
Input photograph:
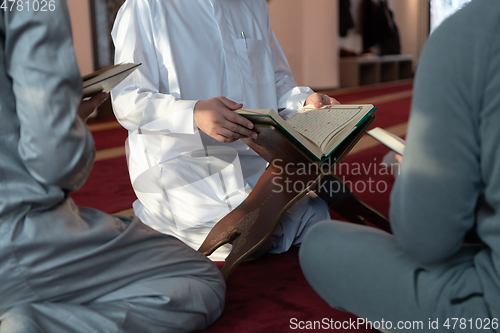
x=254 y=61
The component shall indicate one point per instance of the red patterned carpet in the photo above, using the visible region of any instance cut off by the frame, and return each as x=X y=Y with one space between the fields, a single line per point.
x=269 y=294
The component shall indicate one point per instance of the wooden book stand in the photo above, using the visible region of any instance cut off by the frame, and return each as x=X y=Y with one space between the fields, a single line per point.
x=252 y=223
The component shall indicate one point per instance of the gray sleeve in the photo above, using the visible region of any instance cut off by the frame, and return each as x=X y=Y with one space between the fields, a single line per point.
x=434 y=199
x=55 y=145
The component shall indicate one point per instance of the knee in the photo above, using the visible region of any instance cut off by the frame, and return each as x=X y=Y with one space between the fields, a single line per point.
x=334 y=251
x=19 y=320
x=208 y=303
x=208 y=292
x=330 y=246
x=197 y=267
x=340 y=239
x=186 y=304
x=216 y=296
x=317 y=246
x=185 y=297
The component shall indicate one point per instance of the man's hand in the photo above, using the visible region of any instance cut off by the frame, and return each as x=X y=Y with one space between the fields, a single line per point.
x=87 y=107
x=318 y=100
x=216 y=117
x=399 y=158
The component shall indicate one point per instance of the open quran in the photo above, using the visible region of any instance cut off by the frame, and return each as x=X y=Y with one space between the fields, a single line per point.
x=316 y=133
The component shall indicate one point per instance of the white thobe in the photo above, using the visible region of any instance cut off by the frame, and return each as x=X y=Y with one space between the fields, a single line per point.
x=194 y=50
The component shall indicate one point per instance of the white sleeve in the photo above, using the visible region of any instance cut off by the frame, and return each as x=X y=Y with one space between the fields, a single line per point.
x=138 y=102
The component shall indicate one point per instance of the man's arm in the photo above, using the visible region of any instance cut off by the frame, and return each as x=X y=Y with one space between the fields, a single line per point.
x=88 y=106
x=318 y=100
x=216 y=117
x=138 y=102
x=434 y=199
x=55 y=145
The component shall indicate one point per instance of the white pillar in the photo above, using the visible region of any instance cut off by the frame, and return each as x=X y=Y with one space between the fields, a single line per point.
x=79 y=11
x=307 y=31
x=321 y=51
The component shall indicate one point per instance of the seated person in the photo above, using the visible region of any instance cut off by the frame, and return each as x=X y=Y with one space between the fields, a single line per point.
x=201 y=60
x=449 y=186
x=67 y=268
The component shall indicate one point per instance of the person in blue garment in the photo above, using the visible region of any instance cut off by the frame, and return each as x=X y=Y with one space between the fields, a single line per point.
x=66 y=268
x=449 y=187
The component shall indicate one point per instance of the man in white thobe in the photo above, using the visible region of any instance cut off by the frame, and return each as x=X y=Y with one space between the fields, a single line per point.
x=201 y=60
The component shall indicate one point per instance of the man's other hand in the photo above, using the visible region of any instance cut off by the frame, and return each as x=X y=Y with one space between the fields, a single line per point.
x=318 y=100
x=88 y=106
x=216 y=118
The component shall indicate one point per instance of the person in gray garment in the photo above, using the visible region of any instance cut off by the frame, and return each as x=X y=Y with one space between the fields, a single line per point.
x=449 y=186
x=65 y=268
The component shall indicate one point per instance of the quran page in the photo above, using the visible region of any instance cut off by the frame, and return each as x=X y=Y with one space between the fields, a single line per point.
x=319 y=125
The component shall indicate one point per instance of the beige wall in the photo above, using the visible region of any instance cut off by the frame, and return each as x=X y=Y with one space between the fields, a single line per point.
x=290 y=36
x=321 y=55
x=308 y=37
x=79 y=11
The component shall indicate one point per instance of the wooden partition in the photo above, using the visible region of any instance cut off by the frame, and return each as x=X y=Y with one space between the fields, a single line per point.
x=359 y=71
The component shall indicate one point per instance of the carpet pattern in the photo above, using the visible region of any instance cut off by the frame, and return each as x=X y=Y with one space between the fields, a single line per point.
x=271 y=293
